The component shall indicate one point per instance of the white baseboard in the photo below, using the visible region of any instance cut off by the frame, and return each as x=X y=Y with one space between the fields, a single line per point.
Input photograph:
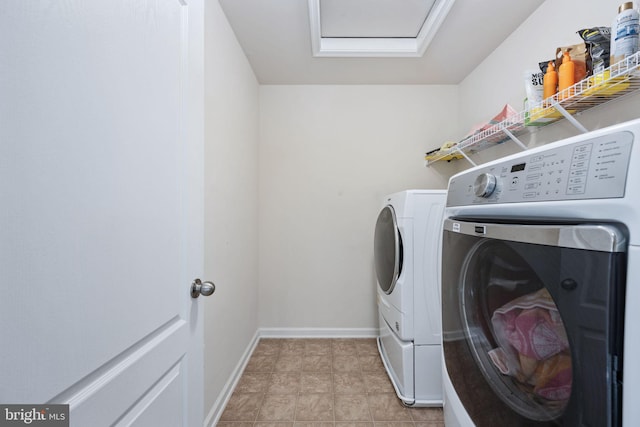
x=319 y=332
x=223 y=398
x=221 y=402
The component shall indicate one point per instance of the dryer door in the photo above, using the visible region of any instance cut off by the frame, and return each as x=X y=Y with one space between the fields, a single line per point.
x=387 y=250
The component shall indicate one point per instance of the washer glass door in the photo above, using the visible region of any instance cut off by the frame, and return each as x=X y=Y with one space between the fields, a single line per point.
x=387 y=249
x=532 y=321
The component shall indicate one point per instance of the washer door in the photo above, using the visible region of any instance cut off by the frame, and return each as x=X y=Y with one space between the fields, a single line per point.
x=533 y=321
x=515 y=331
x=387 y=250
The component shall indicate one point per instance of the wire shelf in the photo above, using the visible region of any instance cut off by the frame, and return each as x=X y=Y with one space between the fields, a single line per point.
x=615 y=81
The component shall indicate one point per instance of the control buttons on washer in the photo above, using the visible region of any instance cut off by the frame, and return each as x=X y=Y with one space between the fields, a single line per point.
x=484 y=185
x=587 y=169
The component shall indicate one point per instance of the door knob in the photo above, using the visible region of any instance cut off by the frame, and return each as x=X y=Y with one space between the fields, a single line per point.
x=199 y=287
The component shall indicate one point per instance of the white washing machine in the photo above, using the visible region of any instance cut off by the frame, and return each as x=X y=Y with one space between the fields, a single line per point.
x=406 y=248
x=541 y=264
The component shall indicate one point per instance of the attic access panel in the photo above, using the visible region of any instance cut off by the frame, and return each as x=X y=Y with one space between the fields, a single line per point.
x=374 y=28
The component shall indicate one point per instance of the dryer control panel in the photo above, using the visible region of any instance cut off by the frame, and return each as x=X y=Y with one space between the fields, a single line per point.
x=591 y=168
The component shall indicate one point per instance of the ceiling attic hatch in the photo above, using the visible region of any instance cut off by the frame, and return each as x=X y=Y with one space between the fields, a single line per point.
x=374 y=28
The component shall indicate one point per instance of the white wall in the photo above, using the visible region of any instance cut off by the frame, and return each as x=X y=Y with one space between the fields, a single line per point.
x=305 y=198
x=231 y=197
x=498 y=80
x=328 y=155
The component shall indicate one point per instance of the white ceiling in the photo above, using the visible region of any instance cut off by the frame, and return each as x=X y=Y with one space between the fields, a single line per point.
x=275 y=36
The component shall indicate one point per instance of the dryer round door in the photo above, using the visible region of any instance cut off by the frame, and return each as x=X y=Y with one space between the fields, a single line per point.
x=387 y=250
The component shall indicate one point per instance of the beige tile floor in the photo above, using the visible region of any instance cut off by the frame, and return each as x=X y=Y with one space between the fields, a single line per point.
x=320 y=382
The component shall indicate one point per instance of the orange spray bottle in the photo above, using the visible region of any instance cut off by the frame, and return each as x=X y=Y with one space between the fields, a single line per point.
x=550 y=81
x=566 y=75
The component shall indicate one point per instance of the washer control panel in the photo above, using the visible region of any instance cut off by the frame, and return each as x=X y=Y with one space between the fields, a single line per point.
x=594 y=168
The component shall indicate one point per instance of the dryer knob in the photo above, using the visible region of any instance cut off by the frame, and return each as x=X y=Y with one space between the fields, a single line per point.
x=484 y=185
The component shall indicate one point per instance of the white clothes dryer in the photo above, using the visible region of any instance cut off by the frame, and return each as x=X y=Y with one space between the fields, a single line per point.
x=406 y=249
x=541 y=264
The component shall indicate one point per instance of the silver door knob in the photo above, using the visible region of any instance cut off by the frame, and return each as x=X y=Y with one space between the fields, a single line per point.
x=199 y=287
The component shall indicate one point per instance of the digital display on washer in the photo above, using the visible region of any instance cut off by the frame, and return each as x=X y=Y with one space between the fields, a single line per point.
x=518 y=167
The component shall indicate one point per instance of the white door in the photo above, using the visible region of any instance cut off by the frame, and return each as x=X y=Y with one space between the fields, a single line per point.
x=101 y=208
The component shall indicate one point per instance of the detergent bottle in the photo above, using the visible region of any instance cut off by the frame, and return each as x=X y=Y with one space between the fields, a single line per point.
x=566 y=76
x=550 y=81
x=624 y=33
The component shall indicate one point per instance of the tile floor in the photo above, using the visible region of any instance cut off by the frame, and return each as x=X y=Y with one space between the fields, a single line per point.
x=320 y=382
